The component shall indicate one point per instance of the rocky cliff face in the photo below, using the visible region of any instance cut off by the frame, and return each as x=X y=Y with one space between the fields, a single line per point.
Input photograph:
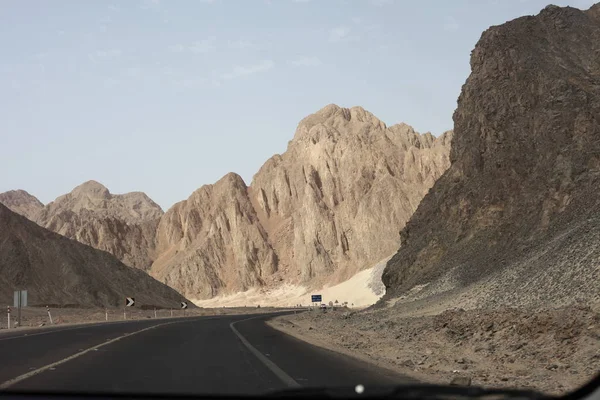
x=22 y=203
x=334 y=202
x=331 y=205
x=213 y=242
x=60 y=271
x=124 y=225
x=518 y=208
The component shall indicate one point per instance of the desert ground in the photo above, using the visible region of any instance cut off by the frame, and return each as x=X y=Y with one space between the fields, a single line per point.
x=551 y=350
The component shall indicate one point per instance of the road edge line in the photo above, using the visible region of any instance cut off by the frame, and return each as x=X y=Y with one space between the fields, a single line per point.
x=281 y=374
x=408 y=374
x=10 y=382
x=66 y=328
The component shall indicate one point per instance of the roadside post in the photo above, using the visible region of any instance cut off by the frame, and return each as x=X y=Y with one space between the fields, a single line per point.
x=171 y=312
x=49 y=315
x=155 y=313
x=8 y=309
x=106 y=314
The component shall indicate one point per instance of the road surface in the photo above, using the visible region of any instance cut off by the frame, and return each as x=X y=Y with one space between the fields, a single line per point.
x=216 y=354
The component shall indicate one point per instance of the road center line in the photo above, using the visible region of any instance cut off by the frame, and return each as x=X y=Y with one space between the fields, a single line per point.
x=285 y=378
x=20 y=378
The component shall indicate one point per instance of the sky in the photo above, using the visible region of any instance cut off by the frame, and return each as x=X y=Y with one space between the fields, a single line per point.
x=165 y=96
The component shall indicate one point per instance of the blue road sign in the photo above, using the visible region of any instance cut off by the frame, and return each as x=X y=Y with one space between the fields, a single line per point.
x=316 y=298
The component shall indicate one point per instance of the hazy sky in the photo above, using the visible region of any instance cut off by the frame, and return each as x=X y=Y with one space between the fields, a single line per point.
x=165 y=96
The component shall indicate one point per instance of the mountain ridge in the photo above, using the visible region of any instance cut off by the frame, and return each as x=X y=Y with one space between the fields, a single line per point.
x=122 y=224
x=313 y=215
x=58 y=270
x=21 y=202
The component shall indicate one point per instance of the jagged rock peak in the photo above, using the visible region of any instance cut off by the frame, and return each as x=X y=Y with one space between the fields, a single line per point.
x=233 y=179
x=231 y=182
x=19 y=195
x=93 y=189
x=21 y=202
x=96 y=197
x=334 y=115
x=122 y=224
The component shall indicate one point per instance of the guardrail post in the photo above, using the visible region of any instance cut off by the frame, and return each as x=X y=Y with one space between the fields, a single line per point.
x=49 y=315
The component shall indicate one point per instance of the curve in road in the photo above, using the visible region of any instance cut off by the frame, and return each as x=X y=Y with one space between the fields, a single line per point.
x=202 y=355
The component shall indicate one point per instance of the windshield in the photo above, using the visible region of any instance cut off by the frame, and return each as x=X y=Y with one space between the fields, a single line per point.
x=246 y=197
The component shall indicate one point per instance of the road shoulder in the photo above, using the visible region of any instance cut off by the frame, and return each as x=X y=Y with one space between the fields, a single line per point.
x=305 y=332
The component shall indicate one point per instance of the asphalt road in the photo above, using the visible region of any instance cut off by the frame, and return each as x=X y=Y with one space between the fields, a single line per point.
x=216 y=354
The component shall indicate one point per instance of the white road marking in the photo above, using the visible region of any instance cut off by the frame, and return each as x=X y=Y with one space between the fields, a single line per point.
x=285 y=378
x=64 y=360
x=28 y=335
x=82 y=326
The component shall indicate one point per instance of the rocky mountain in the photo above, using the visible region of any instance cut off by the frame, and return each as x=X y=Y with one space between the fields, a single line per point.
x=517 y=214
x=329 y=206
x=213 y=240
x=334 y=201
x=124 y=225
x=22 y=203
x=59 y=271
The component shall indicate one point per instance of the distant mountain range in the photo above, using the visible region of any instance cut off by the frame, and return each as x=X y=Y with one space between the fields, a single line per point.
x=328 y=207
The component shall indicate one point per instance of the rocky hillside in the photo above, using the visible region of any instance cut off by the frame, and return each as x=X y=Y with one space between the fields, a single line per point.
x=22 y=203
x=518 y=212
x=124 y=225
x=329 y=206
x=60 y=271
